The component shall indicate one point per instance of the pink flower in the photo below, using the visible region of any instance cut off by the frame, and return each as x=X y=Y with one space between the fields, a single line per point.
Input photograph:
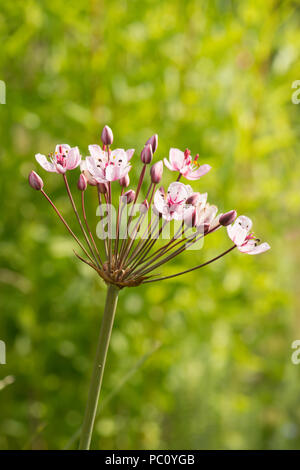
x=208 y=219
x=104 y=166
x=172 y=204
x=183 y=162
x=246 y=242
x=64 y=158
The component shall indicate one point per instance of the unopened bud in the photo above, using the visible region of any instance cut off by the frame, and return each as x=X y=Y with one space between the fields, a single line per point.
x=107 y=136
x=124 y=181
x=156 y=172
x=153 y=141
x=144 y=207
x=102 y=188
x=194 y=199
x=147 y=154
x=228 y=218
x=35 y=181
x=129 y=196
x=82 y=182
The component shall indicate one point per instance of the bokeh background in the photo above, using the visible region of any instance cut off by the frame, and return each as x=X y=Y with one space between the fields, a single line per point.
x=199 y=362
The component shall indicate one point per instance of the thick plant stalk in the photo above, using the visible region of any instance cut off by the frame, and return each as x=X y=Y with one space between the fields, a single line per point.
x=98 y=371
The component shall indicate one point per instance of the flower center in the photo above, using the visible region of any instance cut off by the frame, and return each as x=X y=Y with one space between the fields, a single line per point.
x=249 y=237
x=60 y=157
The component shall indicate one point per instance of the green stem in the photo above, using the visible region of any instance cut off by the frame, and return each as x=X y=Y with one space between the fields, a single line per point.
x=102 y=348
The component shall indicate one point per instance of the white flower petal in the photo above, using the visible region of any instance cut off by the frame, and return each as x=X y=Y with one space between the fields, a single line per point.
x=42 y=160
x=168 y=164
x=73 y=158
x=244 y=222
x=176 y=158
x=129 y=154
x=195 y=174
x=237 y=234
x=255 y=249
x=159 y=201
x=62 y=148
x=98 y=154
x=179 y=192
x=118 y=157
x=239 y=230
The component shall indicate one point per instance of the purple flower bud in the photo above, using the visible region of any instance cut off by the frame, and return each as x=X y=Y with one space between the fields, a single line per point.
x=124 y=181
x=35 y=181
x=156 y=172
x=153 y=141
x=107 y=136
x=144 y=207
x=129 y=195
x=82 y=182
x=228 y=218
x=194 y=199
x=147 y=154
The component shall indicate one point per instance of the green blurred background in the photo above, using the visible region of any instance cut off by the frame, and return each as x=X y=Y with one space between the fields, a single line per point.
x=203 y=361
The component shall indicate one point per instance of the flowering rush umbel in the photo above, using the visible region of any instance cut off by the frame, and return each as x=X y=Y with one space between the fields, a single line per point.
x=132 y=240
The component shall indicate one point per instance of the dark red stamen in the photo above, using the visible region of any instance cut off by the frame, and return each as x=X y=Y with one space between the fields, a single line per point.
x=187 y=153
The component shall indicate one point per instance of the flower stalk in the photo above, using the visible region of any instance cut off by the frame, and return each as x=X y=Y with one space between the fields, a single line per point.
x=99 y=365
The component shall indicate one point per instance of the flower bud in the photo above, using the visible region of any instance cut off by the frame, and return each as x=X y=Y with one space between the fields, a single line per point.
x=82 y=182
x=129 y=196
x=124 y=181
x=35 y=181
x=194 y=199
x=153 y=141
x=227 y=218
x=156 y=172
x=144 y=207
x=102 y=188
x=107 y=136
x=147 y=154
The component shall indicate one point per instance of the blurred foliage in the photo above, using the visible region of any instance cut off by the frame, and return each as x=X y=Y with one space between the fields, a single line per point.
x=214 y=76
